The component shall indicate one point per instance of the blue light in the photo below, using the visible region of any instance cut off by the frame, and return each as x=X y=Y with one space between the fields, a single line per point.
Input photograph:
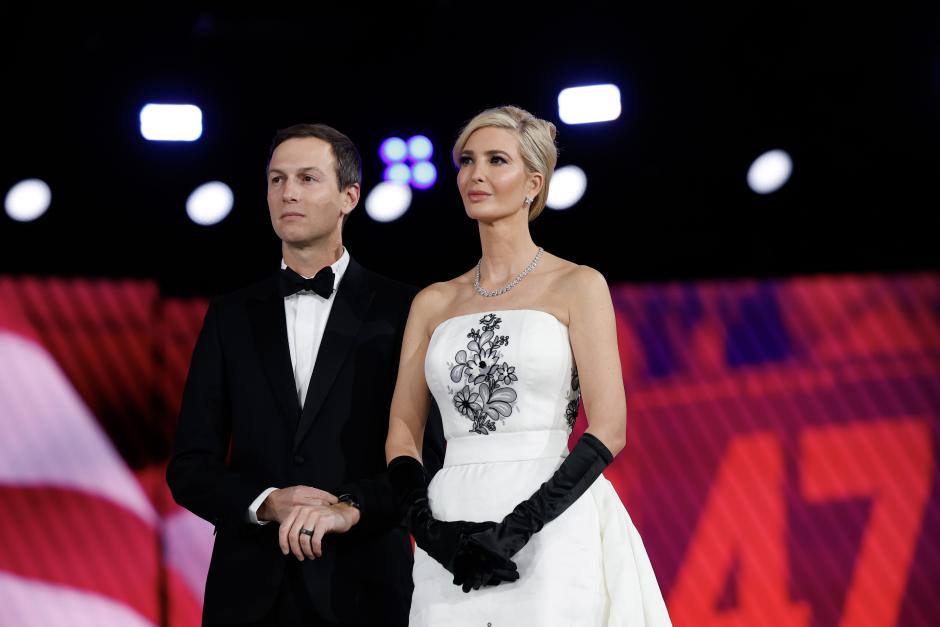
x=393 y=150
x=171 y=122
x=398 y=172
x=423 y=175
x=420 y=148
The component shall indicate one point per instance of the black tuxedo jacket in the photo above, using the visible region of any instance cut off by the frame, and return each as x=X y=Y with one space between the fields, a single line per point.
x=241 y=431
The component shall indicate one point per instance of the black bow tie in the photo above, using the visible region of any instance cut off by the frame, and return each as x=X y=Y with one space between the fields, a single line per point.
x=291 y=282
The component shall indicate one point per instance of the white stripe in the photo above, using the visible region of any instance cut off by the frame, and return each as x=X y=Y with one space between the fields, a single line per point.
x=188 y=547
x=29 y=603
x=49 y=437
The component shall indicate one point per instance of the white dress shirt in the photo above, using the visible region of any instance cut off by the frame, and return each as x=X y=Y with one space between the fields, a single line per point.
x=306 y=313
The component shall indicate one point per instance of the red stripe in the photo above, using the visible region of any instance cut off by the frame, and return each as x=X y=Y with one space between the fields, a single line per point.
x=153 y=481
x=183 y=608
x=79 y=540
x=12 y=316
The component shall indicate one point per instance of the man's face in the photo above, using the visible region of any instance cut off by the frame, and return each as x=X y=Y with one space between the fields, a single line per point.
x=305 y=202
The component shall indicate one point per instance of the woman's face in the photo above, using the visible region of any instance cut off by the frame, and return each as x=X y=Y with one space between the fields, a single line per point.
x=493 y=180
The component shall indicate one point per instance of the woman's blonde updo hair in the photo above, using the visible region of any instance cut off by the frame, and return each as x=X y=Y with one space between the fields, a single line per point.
x=536 y=144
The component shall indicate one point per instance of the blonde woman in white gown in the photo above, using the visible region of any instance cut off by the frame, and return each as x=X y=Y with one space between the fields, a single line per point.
x=515 y=530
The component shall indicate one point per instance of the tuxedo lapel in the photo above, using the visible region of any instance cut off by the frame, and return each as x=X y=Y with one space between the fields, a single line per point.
x=269 y=328
x=352 y=299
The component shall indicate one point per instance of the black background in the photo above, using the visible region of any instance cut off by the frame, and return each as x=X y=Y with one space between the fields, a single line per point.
x=852 y=94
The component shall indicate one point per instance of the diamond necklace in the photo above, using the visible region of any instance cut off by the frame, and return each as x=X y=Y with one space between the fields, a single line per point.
x=484 y=292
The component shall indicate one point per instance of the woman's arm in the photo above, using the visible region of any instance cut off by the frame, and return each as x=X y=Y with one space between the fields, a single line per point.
x=442 y=540
x=411 y=400
x=592 y=328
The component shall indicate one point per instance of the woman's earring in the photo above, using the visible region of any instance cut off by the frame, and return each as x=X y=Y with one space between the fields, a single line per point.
x=527 y=201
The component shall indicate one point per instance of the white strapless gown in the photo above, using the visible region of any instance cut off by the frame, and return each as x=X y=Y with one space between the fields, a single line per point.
x=508 y=392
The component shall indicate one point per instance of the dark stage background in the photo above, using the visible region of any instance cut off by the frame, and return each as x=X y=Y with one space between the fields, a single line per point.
x=851 y=94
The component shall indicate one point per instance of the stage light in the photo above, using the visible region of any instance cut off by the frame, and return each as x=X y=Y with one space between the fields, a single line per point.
x=590 y=103
x=27 y=200
x=398 y=173
x=210 y=203
x=393 y=150
x=420 y=148
x=171 y=122
x=770 y=171
x=388 y=201
x=423 y=175
x=567 y=187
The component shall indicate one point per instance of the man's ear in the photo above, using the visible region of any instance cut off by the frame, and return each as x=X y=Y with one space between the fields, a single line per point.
x=350 y=198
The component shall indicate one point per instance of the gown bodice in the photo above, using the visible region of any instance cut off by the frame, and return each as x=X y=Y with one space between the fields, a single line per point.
x=502 y=372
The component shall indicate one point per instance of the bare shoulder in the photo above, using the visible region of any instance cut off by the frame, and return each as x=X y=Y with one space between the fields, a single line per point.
x=591 y=279
x=441 y=294
x=432 y=303
x=586 y=290
x=429 y=301
x=577 y=279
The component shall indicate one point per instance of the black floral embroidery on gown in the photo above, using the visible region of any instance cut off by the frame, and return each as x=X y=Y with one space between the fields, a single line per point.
x=574 y=398
x=486 y=395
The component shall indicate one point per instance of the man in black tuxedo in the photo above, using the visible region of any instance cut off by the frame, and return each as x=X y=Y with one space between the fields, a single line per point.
x=285 y=414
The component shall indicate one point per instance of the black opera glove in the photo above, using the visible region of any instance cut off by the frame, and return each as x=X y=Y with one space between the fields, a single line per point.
x=580 y=469
x=443 y=540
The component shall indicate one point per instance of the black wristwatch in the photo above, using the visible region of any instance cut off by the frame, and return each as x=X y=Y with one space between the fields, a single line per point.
x=349 y=499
